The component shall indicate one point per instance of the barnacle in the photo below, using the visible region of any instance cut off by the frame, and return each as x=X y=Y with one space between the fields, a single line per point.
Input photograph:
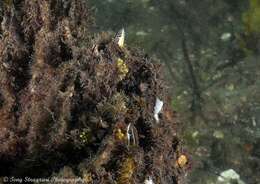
x=126 y=171
x=119 y=102
x=122 y=68
x=115 y=106
x=140 y=101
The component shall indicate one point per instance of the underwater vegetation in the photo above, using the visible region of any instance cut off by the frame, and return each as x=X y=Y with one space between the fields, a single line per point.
x=77 y=105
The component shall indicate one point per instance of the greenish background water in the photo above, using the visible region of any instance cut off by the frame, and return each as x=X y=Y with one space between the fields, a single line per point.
x=210 y=52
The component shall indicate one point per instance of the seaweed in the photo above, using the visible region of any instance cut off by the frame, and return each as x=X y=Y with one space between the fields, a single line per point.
x=80 y=103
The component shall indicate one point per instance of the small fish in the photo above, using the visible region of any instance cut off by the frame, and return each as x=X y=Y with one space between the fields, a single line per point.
x=149 y=181
x=120 y=38
x=157 y=109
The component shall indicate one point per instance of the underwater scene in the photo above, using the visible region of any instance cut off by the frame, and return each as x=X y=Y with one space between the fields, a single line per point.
x=130 y=91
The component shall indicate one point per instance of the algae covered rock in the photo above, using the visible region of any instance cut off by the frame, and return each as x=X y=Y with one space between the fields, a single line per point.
x=80 y=104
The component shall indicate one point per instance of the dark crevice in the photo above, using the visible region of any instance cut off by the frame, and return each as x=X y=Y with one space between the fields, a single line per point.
x=66 y=52
x=145 y=135
x=1 y=100
x=21 y=74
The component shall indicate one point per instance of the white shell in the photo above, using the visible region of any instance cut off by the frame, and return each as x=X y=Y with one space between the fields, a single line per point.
x=127 y=133
x=149 y=181
x=157 y=109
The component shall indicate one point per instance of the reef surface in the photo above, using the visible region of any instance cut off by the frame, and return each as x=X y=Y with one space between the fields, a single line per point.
x=74 y=104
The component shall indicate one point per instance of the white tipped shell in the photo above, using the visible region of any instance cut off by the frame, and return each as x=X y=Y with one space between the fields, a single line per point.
x=157 y=109
x=120 y=37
